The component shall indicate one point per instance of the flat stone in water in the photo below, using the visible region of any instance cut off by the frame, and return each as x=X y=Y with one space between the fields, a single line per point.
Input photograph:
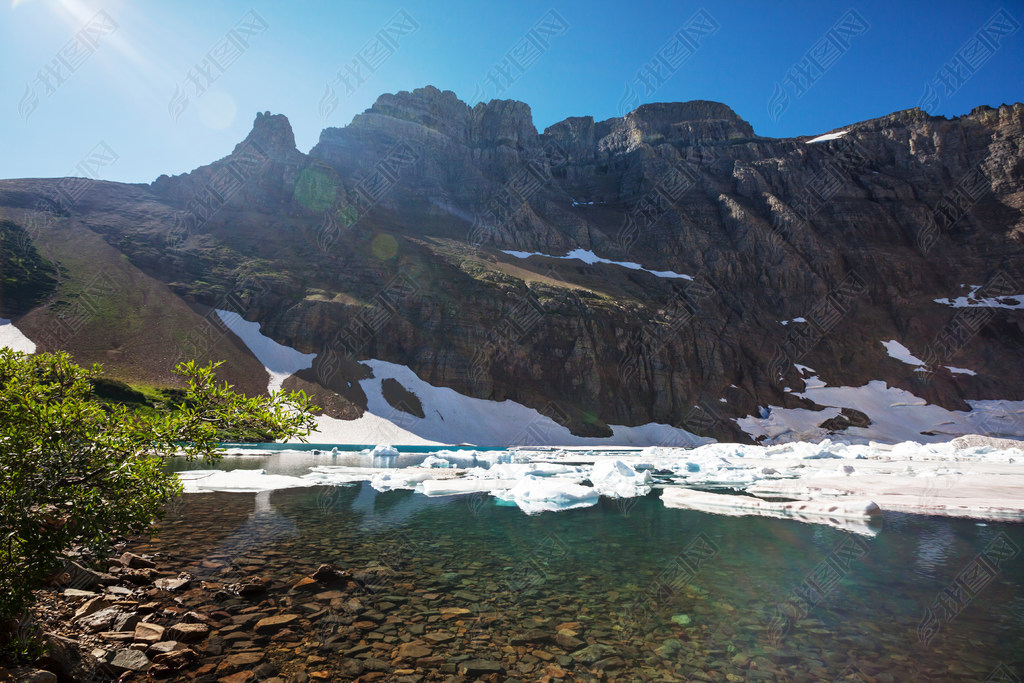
x=271 y=625
x=479 y=667
x=244 y=659
x=413 y=650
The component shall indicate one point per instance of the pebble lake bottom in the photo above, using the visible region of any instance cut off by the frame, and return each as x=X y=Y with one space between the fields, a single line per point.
x=624 y=590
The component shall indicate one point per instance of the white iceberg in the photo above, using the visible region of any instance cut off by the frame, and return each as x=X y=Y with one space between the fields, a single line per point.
x=534 y=495
x=241 y=481
x=400 y=478
x=616 y=479
x=454 y=487
x=848 y=514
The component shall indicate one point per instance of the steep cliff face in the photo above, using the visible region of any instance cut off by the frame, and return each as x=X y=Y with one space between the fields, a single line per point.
x=386 y=241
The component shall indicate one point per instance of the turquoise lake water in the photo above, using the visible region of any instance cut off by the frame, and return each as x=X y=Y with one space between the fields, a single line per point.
x=677 y=594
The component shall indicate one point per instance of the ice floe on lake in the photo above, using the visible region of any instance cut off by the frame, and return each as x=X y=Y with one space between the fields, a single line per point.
x=971 y=477
x=855 y=515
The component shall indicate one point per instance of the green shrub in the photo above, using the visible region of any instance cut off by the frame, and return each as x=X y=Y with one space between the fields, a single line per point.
x=77 y=473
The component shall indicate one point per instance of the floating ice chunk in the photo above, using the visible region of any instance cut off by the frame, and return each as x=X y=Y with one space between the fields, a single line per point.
x=507 y=470
x=242 y=481
x=332 y=475
x=452 y=487
x=434 y=461
x=384 y=451
x=534 y=495
x=850 y=514
x=400 y=478
x=616 y=479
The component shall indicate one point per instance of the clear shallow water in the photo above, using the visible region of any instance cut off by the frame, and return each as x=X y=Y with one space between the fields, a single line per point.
x=674 y=594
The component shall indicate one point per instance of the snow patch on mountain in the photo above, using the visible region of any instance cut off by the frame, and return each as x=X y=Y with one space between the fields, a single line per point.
x=451 y=417
x=591 y=258
x=902 y=353
x=971 y=301
x=828 y=136
x=13 y=338
x=279 y=360
x=896 y=415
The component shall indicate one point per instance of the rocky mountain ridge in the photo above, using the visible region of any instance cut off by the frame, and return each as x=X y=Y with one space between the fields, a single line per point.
x=388 y=240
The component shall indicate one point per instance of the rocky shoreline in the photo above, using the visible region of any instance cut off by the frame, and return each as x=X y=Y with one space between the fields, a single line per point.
x=141 y=621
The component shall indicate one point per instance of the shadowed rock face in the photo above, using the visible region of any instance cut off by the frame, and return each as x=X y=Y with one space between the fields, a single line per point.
x=385 y=242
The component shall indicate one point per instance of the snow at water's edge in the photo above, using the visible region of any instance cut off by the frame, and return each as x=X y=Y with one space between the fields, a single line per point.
x=13 y=338
x=449 y=417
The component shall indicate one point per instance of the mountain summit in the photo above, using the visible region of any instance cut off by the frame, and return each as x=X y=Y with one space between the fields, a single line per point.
x=668 y=266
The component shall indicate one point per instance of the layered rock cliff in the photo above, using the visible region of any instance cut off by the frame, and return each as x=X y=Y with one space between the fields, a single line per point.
x=386 y=241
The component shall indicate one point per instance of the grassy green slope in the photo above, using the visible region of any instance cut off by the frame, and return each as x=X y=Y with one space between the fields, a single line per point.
x=105 y=310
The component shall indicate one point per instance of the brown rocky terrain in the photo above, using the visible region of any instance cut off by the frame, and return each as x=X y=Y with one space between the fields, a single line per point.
x=384 y=241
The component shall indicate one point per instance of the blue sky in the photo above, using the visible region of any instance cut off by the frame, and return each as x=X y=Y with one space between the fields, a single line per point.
x=82 y=73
